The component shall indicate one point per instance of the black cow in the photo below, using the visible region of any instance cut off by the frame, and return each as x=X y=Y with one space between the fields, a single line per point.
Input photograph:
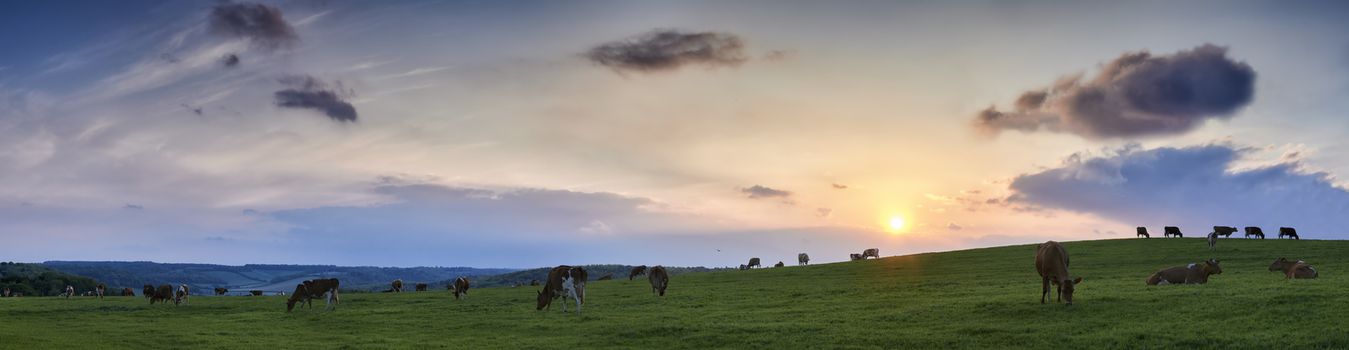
x=1171 y=231
x=1143 y=232
x=1225 y=231
x=1288 y=232
x=1252 y=231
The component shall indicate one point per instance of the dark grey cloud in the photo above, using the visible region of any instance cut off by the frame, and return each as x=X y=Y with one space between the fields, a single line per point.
x=1137 y=94
x=307 y=92
x=261 y=24
x=1193 y=187
x=758 y=191
x=664 y=49
x=229 y=60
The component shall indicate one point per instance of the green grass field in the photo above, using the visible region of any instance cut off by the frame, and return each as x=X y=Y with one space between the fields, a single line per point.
x=983 y=298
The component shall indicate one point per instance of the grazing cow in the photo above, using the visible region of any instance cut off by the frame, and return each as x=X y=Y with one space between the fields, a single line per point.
x=533 y=282
x=461 y=287
x=564 y=281
x=420 y=287
x=752 y=263
x=181 y=295
x=306 y=292
x=5 y=294
x=605 y=277
x=163 y=294
x=256 y=293
x=99 y=290
x=659 y=280
x=1252 y=231
x=779 y=264
x=1212 y=239
x=854 y=257
x=70 y=291
x=1288 y=232
x=871 y=252
x=1051 y=261
x=637 y=271
x=148 y=292
x=1143 y=232
x=221 y=291
x=1196 y=273
x=398 y=286
x=1225 y=231
x=128 y=292
x=1171 y=231
x=744 y=267
x=802 y=259
x=1294 y=269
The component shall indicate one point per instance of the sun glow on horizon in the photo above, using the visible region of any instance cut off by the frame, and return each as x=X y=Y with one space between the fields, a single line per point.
x=896 y=223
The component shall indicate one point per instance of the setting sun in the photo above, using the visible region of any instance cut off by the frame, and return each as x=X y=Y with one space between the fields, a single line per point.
x=896 y=223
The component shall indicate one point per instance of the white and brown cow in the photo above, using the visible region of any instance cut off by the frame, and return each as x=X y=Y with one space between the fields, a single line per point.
x=1196 y=273
x=99 y=290
x=1212 y=239
x=564 y=281
x=637 y=271
x=180 y=296
x=871 y=252
x=461 y=287
x=70 y=291
x=659 y=280
x=5 y=293
x=306 y=292
x=1294 y=269
x=1051 y=261
x=802 y=259
x=397 y=286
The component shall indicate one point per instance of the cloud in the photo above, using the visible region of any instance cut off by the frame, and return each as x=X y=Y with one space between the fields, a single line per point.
x=839 y=186
x=229 y=60
x=133 y=207
x=823 y=212
x=758 y=191
x=261 y=24
x=1196 y=186
x=1137 y=94
x=953 y=226
x=665 y=49
x=306 y=92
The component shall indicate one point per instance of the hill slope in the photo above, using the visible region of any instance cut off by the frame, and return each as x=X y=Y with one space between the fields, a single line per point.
x=38 y=280
x=984 y=298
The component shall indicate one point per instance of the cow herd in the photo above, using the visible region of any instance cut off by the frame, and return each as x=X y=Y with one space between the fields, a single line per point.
x=803 y=259
x=1051 y=262
x=1224 y=231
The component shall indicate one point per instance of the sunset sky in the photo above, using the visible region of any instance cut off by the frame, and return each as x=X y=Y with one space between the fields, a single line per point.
x=534 y=133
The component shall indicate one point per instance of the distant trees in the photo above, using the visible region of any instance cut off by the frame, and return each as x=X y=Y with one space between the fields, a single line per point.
x=38 y=280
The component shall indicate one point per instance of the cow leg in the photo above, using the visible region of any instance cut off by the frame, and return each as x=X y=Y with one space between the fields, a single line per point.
x=333 y=299
x=1058 y=292
x=1044 y=290
x=578 y=300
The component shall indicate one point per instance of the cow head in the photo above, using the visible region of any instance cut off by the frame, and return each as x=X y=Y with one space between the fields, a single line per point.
x=1211 y=266
x=544 y=299
x=1278 y=265
x=1068 y=287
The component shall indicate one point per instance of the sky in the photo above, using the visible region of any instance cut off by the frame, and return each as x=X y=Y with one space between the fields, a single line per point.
x=691 y=133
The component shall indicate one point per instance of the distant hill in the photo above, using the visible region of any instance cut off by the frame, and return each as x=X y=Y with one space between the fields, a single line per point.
x=271 y=278
x=38 y=280
x=592 y=271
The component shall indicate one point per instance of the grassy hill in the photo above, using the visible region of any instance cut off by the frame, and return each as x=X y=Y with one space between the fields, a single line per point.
x=983 y=298
x=595 y=271
x=271 y=278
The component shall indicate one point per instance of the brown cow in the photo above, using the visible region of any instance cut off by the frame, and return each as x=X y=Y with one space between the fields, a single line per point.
x=564 y=281
x=1196 y=273
x=779 y=264
x=163 y=294
x=99 y=290
x=637 y=271
x=1051 y=261
x=1294 y=269
x=1288 y=232
x=533 y=282
x=148 y=292
x=802 y=259
x=221 y=291
x=1225 y=231
x=752 y=263
x=306 y=292
x=659 y=280
x=871 y=252
x=128 y=292
x=460 y=287
x=398 y=286
x=1254 y=231
x=420 y=287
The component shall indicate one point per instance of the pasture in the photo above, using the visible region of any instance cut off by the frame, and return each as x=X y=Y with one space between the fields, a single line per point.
x=981 y=298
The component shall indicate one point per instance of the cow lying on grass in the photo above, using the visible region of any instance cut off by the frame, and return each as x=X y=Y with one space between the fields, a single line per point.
x=306 y=292
x=564 y=281
x=1051 y=261
x=1196 y=273
x=420 y=287
x=1294 y=269
x=659 y=280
